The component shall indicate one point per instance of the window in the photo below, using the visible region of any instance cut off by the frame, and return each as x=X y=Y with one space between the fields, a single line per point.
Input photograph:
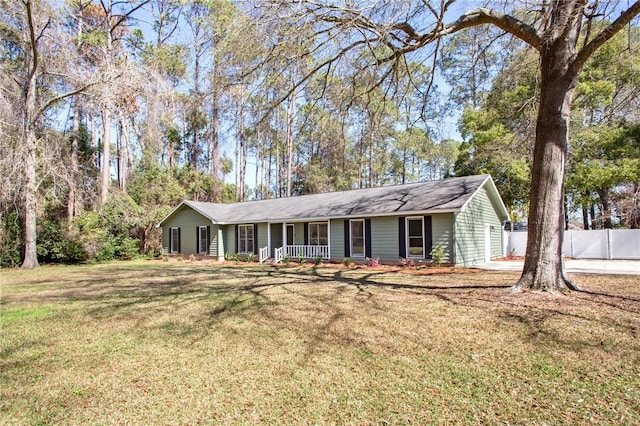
x=415 y=237
x=319 y=234
x=174 y=240
x=245 y=239
x=357 y=238
x=203 y=240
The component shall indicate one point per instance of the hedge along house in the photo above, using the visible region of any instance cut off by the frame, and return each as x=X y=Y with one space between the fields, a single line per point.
x=464 y=215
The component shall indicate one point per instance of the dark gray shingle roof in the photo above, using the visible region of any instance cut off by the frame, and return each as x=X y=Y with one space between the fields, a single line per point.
x=440 y=196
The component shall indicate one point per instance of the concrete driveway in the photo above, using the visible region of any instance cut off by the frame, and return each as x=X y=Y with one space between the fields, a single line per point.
x=574 y=266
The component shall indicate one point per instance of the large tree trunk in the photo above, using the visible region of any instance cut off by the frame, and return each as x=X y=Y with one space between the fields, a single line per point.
x=544 y=266
x=30 y=260
x=31 y=200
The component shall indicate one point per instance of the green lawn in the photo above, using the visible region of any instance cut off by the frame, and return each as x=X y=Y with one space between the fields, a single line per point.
x=153 y=342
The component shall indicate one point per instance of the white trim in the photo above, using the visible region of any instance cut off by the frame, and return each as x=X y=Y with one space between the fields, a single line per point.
x=253 y=238
x=364 y=238
x=200 y=240
x=286 y=234
x=328 y=238
x=268 y=239
x=487 y=242
x=309 y=232
x=342 y=217
x=172 y=240
x=186 y=203
x=495 y=192
x=406 y=241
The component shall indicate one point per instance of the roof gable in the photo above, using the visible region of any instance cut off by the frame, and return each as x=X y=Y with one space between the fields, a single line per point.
x=447 y=195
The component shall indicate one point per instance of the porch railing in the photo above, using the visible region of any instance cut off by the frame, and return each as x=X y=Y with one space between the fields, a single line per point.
x=264 y=254
x=277 y=255
x=307 y=252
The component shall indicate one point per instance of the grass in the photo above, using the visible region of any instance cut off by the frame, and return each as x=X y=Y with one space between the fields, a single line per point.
x=152 y=342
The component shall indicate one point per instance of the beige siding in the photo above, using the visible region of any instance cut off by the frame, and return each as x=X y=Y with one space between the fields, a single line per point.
x=336 y=239
x=213 y=244
x=165 y=238
x=230 y=239
x=187 y=220
x=384 y=238
x=299 y=233
x=470 y=227
x=442 y=228
x=263 y=237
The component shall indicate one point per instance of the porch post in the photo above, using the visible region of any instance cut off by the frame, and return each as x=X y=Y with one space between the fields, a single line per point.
x=329 y=238
x=268 y=239
x=284 y=237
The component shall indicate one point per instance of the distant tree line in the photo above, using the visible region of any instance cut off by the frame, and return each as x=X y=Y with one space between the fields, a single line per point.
x=113 y=112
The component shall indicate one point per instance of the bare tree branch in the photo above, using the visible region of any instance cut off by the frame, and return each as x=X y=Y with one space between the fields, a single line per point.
x=625 y=18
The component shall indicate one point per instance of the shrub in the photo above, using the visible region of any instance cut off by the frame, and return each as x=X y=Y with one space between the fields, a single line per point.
x=407 y=262
x=346 y=261
x=56 y=245
x=286 y=259
x=437 y=254
x=373 y=262
x=10 y=240
x=107 y=248
x=301 y=259
x=317 y=260
x=128 y=248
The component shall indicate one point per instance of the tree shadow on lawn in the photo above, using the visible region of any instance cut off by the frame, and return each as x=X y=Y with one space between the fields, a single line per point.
x=257 y=294
x=536 y=311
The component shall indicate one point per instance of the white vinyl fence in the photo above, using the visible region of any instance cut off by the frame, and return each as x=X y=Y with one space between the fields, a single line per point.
x=597 y=244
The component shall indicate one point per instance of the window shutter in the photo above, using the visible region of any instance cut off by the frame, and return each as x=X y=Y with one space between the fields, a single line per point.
x=402 y=244
x=347 y=238
x=197 y=240
x=428 y=237
x=179 y=241
x=367 y=237
x=208 y=240
x=306 y=233
x=256 y=250
x=237 y=238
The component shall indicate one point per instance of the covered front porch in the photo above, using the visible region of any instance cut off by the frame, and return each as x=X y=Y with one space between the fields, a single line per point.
x=295 y=240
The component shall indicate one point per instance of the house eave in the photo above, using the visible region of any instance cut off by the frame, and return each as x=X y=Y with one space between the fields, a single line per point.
x=339 y=217
x=494 y=189
x=186 y=203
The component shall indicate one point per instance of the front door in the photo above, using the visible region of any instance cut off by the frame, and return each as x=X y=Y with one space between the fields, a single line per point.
x=291 y=234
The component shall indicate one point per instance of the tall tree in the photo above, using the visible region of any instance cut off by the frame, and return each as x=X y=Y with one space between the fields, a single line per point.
x=552 y=29
x=35 y=31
